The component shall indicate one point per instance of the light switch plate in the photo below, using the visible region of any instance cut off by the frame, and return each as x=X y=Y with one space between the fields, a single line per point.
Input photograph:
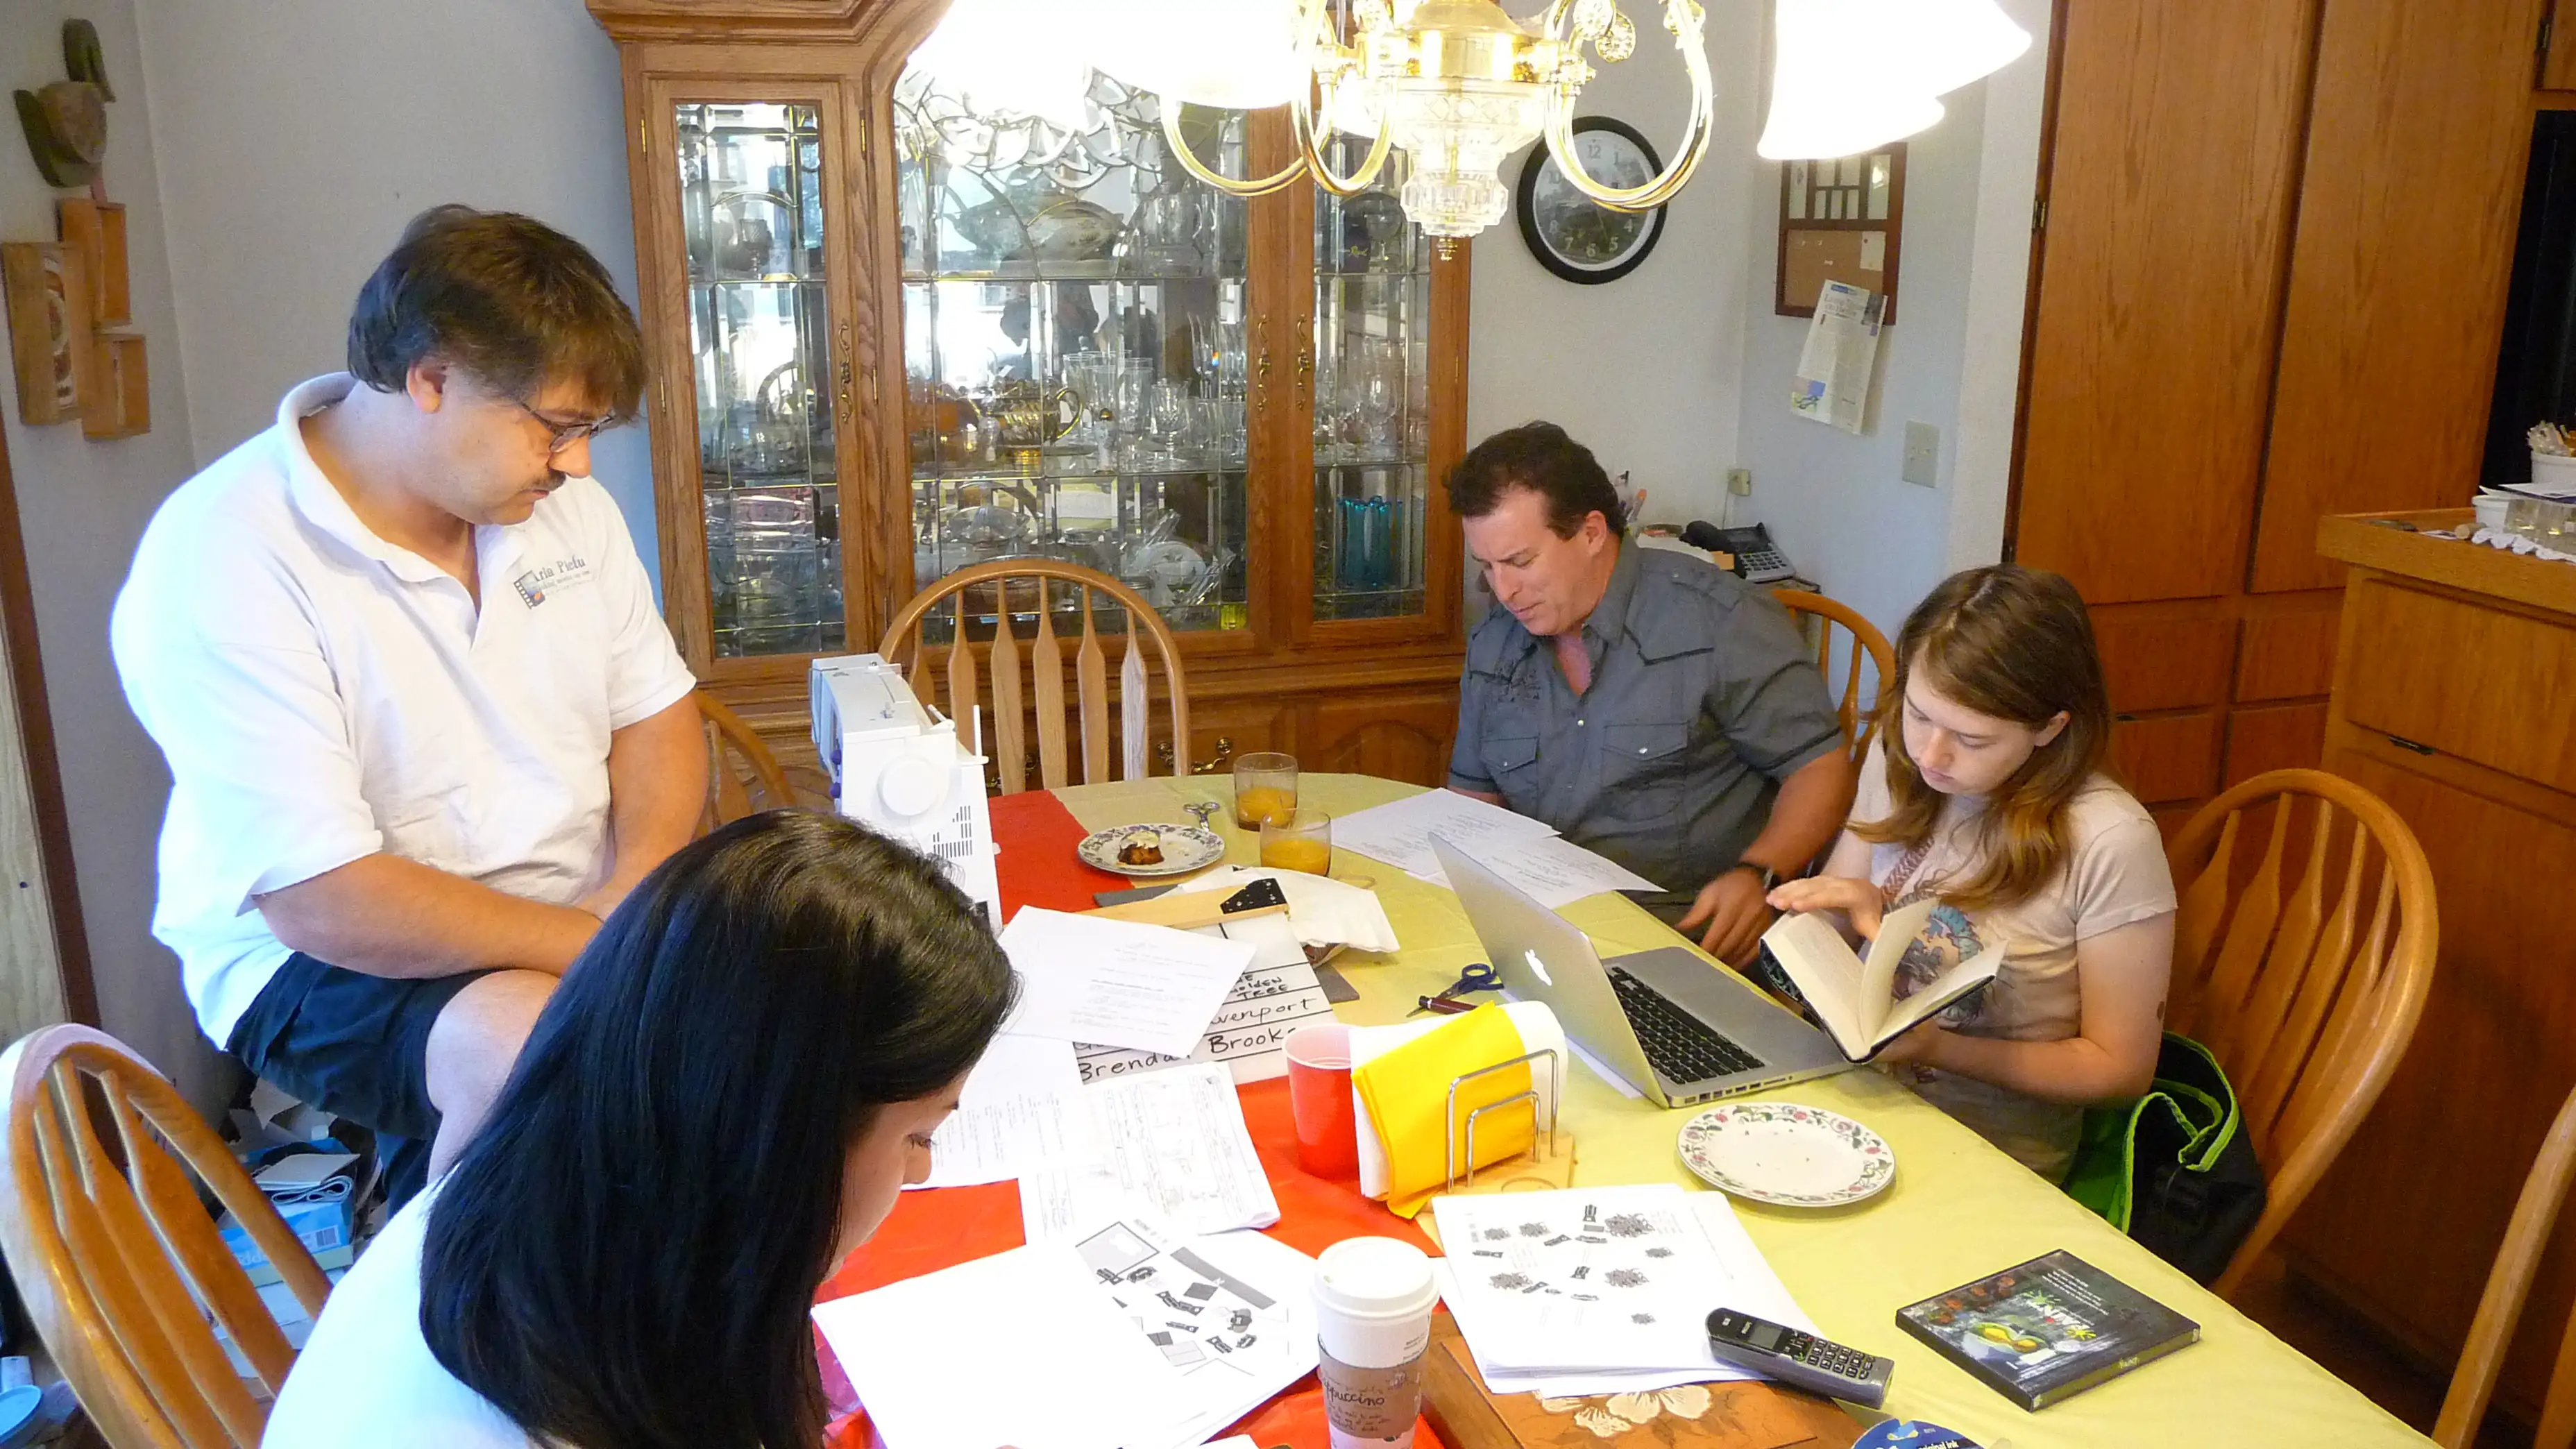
x=1922 y=455
x=1739 y=481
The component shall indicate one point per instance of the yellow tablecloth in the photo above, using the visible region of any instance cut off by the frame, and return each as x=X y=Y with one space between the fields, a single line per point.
x=1958 y=1209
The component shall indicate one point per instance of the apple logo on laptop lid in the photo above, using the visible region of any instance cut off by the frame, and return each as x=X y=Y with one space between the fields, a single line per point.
x=1538 y=967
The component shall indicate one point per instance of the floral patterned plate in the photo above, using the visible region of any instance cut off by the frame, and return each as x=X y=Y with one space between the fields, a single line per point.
x=1185 y=848
x=1787 y=1153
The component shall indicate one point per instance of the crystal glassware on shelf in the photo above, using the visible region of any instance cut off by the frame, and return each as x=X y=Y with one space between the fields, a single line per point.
x=1376 y=396
x=1130 y=391
x=1168 y=427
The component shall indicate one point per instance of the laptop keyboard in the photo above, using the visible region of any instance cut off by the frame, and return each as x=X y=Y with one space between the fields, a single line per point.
x=1682 y=1047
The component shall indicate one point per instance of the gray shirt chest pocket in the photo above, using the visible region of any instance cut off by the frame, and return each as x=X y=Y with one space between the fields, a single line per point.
x=1644 y=768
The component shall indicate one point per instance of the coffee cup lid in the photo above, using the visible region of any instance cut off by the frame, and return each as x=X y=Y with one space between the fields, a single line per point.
x=1374 y=1278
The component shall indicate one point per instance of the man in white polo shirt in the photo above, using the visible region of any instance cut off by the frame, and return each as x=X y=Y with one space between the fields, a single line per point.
x=425 y=727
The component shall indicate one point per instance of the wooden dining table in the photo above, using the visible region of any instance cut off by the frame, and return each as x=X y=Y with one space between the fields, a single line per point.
x=1957 y=1209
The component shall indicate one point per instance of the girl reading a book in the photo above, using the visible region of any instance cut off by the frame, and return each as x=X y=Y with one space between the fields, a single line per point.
x=1985 y=790
x=721 y=1100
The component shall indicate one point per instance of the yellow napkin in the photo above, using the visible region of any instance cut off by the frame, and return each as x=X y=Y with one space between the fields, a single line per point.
x=1406 y=1092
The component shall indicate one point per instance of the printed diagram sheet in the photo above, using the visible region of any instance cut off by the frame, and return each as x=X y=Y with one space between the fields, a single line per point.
x=1229 y=1313
x=1589 y=1279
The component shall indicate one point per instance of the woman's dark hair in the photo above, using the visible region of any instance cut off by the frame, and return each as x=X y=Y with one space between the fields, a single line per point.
x=624 y=1255
x=509 y=299
x=1541 y=458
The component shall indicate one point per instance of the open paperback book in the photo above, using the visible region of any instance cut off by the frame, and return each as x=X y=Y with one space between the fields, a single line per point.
x=1854 y=999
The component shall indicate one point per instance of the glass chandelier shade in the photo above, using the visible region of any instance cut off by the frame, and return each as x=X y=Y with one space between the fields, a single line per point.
x=1459 y=84
x=1238 y=54
x=1044 y=71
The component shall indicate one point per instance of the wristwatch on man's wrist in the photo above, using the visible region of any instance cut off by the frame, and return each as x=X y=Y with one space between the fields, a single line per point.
x=1770 y=878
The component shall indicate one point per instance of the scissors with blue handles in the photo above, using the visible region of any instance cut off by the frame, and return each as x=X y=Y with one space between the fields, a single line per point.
x=1476 y=977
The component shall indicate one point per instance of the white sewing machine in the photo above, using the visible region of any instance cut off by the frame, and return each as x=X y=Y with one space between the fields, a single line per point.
x=899 y=767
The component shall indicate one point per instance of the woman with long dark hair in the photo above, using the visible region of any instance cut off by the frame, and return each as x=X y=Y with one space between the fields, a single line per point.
x=723 y=1098
x=1987 y=789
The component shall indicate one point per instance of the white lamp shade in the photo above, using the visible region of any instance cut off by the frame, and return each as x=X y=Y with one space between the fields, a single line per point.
x=1937 y=46
x=1024 y=57
x=1240 y=54
x=1834 y=91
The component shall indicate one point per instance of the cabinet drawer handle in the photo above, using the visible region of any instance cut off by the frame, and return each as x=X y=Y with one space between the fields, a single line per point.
x=2407 y=744
x=1215 y=764
x=1261 y=366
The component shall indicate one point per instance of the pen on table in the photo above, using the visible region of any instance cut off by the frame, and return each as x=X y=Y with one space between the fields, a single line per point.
x=1444 y=1005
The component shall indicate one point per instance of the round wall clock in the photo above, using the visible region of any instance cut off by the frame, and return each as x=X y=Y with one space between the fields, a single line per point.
x=1571 y=234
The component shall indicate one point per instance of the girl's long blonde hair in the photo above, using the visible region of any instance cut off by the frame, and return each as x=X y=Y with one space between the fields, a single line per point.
x=2014 y=643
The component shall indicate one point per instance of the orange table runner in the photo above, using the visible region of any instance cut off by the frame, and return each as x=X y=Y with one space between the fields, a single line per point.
x=938 y=1229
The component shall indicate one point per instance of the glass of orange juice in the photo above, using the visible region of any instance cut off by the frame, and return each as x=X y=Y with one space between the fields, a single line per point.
x=1265 y=788
x=1299 y=840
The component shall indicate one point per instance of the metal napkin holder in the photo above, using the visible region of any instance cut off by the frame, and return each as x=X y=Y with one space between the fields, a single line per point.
x=1452 y=1129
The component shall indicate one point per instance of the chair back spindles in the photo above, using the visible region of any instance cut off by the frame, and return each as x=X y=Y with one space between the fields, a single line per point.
x=730 y=737
x=1091 y=681
x=1868 y=647
x=2306 y=1008
x=1010 y=734
x=963 y=688
x=1136 y=711
x=998 y=593
x=124 y=1271
x=1046 y=665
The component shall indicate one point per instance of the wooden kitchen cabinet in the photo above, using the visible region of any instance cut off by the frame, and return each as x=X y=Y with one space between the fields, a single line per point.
x=2270 y=286
x=893 y=335
x=2448 y=702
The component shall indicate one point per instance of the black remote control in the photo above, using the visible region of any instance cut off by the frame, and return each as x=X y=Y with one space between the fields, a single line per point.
x=1801 y=1359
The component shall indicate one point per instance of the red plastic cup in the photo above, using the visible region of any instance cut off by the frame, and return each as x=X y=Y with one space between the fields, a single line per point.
x=1319 y=1098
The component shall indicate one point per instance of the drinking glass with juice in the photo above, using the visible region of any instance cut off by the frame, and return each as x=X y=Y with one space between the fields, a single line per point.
x=1265 y=788
x=1301 y=840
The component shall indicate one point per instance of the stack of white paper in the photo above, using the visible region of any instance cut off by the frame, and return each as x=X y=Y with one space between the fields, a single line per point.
x=1117 y=983
x=1021 y=1108
x=1021 y=1348
x=1132 y=1335
x=1528 y=853
x=1172 y=1140
x=1249 y=1033
x=1600 y=1290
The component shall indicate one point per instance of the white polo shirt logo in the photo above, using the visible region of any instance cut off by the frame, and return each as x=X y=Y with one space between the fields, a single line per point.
x=563 y=573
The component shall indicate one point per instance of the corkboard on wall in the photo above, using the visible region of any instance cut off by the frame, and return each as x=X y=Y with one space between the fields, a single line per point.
x=1841 y=220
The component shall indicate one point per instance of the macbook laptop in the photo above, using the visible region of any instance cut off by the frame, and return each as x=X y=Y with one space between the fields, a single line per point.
x=1678 y=1029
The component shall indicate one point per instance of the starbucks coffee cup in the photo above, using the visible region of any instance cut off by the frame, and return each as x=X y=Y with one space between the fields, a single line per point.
x=1373 y=1302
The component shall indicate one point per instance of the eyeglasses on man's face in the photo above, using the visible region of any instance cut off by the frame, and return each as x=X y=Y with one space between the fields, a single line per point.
x=562 y=434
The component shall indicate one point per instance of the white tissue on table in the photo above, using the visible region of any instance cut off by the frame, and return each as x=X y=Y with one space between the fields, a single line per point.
x=1323 y=911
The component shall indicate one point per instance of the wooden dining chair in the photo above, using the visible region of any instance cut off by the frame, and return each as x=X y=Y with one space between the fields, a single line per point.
x=738 y=763
x=2306 y=980
x=116 y=1256
x=998 y=595
x=1867 y=645
x=2526 y=1237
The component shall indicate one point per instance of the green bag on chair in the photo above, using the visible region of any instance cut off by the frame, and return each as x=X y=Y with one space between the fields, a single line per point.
x=2175 y=1169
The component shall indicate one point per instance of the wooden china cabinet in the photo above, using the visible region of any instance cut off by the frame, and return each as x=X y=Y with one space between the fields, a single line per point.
x=894 y=334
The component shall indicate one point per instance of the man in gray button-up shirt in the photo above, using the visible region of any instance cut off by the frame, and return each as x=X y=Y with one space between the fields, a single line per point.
x=1648 y=704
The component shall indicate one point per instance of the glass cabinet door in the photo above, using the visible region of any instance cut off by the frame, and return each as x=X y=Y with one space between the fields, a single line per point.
x=1372 y=409
x=1074 y=317
x=751 y=203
